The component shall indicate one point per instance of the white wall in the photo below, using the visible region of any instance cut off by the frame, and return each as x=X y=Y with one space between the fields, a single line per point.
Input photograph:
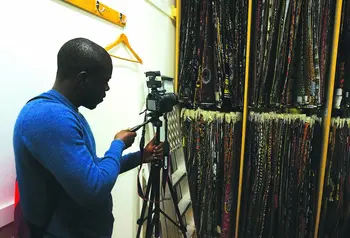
x=32 y=33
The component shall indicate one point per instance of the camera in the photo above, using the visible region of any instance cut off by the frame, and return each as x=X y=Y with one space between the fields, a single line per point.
x=158 y=101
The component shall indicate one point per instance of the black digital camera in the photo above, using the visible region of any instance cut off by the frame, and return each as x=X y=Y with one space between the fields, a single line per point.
x=158 y=101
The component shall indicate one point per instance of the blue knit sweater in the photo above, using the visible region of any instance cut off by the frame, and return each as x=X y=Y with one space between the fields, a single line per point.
x=59 y=173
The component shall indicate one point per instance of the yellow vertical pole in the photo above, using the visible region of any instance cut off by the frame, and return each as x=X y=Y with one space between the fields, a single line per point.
x=245 y=116
x=328 y=112
x=177 y=44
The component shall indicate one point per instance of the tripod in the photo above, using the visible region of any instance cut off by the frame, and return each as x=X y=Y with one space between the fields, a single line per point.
x=153 y=188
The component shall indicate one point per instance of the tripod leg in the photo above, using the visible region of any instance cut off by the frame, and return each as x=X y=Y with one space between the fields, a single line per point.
x=140 y=220
x=149 y=229
x=177 y=210
x=155 y=196
x=156 y=217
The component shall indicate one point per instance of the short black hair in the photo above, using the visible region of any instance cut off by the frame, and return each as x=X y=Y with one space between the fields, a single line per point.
x=81 y=54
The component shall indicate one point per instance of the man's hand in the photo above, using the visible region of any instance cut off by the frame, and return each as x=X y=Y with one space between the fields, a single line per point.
x=126 y=136
x=153 y=152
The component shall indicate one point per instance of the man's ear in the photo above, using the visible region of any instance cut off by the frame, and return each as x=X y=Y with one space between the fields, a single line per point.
x=82 y=78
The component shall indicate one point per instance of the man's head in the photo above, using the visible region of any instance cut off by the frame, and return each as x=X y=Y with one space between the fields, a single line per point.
x=83 y=73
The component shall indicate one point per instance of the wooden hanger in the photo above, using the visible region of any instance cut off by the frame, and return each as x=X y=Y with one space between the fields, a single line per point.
x=124 y=39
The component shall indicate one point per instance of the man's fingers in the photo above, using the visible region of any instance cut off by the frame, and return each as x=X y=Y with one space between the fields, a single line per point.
x=157 y=151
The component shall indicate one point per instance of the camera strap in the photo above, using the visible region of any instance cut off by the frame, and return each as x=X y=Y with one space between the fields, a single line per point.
x=166 y=158
x=142 y=145
x=165 y=168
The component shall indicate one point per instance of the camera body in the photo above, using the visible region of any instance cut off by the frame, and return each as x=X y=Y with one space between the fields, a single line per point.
x=158 y=101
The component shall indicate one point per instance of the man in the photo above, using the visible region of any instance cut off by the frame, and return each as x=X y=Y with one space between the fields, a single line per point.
x=64 y=187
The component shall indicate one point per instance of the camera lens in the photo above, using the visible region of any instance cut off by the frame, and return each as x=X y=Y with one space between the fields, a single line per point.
x=168 y=101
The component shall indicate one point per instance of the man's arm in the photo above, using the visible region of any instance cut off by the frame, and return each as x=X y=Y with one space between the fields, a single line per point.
x=55 y=139
x=130 y=161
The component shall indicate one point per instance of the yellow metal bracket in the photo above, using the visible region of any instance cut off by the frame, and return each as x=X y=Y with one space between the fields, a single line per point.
x=173 y=11
x=176 y=12
x=101 y=10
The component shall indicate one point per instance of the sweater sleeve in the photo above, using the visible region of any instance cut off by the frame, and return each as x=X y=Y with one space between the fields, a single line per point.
x=55 y=139
x=130 y=161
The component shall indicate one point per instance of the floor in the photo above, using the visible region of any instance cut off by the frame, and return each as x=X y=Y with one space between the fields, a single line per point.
x=6 y=231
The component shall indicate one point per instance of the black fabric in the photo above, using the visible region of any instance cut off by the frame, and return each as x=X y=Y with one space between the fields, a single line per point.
x=212 y=53
x=291 y=50
x=212 y=142
x=280 y=175
x=342 y=82
x=335 y=213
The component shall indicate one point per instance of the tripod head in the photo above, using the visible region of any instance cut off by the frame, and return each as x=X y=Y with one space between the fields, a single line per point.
x=154 y=119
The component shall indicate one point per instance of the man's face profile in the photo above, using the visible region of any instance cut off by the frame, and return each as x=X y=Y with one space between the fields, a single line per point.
x=94 y=86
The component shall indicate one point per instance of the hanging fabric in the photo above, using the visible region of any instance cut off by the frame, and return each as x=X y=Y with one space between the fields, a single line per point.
x=335 y=213
x=291 y=43
x=212 y=53
x=342 y=84
x=279 y=185
x=212 y=142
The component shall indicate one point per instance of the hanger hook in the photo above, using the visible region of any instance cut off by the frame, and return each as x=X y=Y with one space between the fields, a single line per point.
x=121 y=18
x=98 y=7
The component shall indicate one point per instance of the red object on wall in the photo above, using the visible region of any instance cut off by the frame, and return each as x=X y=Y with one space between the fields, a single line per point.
x=16 y=194
x=20 y=226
